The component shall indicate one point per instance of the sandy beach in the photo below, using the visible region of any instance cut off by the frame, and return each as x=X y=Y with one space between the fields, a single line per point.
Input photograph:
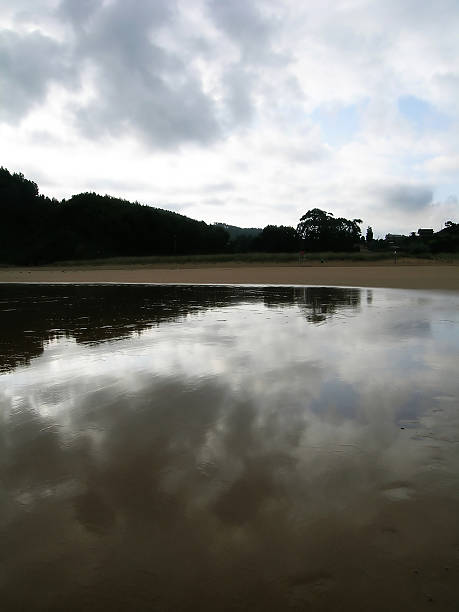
x=439 y=277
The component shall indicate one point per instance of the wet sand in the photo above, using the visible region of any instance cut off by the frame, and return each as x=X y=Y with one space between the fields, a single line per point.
x=183 y=449
x=440 y=277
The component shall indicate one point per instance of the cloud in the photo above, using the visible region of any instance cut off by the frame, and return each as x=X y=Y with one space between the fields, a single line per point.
x=404 y=197
x=218 y=187
x=78 y=13
x=238 y=83
x=29 y=63
x=139 y=85
x=245 y=26
x=444 y=165
x=146 y=84
x=299 y=151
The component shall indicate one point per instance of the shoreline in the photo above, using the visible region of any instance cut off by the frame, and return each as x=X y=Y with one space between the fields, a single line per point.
x=439 y=277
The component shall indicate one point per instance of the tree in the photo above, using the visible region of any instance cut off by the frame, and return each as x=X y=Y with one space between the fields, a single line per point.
x=446 y=240
x=321 y=231
x=25 y=219
x=277 y=239
x=369 y=236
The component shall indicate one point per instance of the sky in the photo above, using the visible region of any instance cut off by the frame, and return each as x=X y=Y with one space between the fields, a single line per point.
x=239 y=111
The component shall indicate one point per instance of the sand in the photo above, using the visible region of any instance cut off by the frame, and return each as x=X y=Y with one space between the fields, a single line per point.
x=440 y=277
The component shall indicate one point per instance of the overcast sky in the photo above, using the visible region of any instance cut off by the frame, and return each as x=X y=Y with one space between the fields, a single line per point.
x=243 y=111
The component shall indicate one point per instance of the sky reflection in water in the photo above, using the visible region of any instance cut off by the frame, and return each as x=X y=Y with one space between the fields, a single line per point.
x=204 y=448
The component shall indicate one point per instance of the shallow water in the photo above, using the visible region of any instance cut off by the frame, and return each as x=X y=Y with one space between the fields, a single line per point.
x=221 y=448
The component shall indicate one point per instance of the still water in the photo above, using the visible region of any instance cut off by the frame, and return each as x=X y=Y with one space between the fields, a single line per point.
x=223 y=448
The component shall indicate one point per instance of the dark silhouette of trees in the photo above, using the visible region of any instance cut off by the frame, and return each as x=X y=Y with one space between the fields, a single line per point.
x=36 y=230
x=25 y=219
x=103 y=226
x=424 y=243
x=240 y=238
x=276 y=239
x=446 y=240
x=321 y=231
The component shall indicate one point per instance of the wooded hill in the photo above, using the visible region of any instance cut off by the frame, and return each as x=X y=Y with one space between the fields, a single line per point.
x=35 y=229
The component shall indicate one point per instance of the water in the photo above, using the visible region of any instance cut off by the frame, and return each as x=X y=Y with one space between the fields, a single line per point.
x=222 y=448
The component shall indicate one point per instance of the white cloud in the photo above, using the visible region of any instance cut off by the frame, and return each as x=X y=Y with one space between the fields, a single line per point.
x=444 y=165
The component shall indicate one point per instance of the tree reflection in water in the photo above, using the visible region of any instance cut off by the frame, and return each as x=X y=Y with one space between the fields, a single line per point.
x=32 y=315
x=221 y=448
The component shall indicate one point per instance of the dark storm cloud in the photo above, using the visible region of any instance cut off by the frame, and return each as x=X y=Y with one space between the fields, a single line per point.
x=28 y=64
x=140 y=59
x=146 y=88
x=79 y=13
x=404 y=197
x=142 y=87
x=251 y=33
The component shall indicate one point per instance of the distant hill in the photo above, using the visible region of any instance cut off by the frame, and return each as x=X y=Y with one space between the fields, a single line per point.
x=35 y=229
x=242 y=239
x=235 y=232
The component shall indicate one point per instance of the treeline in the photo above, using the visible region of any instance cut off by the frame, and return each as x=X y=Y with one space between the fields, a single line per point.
x=270 y=239
x=36 y=230
x=316 y=231
x=421 y=244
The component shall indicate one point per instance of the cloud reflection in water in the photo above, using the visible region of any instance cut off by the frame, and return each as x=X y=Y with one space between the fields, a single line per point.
x=216 y=448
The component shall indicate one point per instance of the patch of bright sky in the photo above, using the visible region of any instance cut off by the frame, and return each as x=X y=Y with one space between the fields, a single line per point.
x=422 y=115
x=338 y=124
x=412 y=165
x=447 y=192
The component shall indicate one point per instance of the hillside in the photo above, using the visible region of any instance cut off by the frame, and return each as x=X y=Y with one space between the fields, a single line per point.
x=36 y=229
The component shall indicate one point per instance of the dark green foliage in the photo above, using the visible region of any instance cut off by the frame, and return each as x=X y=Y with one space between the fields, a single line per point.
x=277 y=239
x=38 y=230
x=425 y=243
x=26 y=219
x=235 y=232
x=446 y=240
x=103 y=226
x=320 y=231
x=241 y=238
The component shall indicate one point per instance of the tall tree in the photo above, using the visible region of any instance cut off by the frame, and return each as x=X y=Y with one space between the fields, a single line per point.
x=321 y=231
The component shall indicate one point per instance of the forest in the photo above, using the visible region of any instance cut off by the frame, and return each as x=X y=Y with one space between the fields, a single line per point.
x=37 y=230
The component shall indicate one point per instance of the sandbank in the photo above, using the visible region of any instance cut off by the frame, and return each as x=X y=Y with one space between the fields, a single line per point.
x=439 y=277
